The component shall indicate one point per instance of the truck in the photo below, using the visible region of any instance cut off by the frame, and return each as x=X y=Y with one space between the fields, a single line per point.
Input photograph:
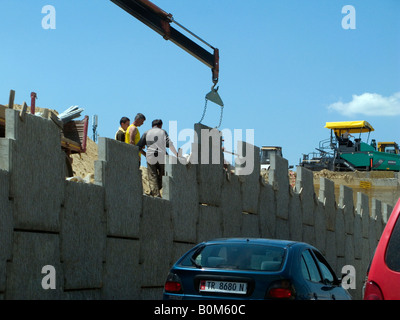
x=265 y=155
x=340 y=153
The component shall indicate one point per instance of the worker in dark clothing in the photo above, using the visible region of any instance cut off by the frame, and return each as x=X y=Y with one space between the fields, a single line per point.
x=157 y=141
x=124 y=124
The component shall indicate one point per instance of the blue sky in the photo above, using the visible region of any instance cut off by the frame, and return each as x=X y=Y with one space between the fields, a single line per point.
x=286 y=67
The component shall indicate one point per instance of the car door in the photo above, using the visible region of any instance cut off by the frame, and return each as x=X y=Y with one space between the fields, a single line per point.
x=330 y=284
x=312 y=277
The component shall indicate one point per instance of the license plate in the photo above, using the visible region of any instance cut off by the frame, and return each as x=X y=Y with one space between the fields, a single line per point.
x=223 y=286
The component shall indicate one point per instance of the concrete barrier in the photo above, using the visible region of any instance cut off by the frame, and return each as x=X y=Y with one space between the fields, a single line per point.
x=109 y=241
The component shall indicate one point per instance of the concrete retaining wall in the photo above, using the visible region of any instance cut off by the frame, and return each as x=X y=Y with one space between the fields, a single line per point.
x=109 y=241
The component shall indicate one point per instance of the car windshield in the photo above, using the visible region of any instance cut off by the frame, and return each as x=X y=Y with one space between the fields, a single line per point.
x=237 y=256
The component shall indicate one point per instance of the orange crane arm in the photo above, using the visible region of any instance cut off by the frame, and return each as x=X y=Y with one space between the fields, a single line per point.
x=160 y=21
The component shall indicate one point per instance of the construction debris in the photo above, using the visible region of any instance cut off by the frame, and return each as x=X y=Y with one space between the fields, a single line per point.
x=70 y=114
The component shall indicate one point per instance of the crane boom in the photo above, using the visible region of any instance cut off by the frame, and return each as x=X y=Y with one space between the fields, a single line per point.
x=160 y=21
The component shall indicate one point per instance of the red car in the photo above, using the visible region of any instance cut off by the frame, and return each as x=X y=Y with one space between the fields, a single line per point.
x=383 y=278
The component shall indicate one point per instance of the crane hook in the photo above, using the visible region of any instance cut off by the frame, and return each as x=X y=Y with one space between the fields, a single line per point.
x=213 y=95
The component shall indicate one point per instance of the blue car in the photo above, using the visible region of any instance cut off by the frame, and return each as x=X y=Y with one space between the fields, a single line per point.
x=237 y=268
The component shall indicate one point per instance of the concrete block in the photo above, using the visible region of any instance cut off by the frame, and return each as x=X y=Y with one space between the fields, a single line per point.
x=339 y=265
x=117 y=170
x=363 y=210
x=179 y=249
x=210 y=179
x=180 y=188
x=247 y=162
x=151 y=293
x=295 y=218
x=6 y=150
x=207 y=149
x=327 y=197
x=33 y=251
x=386 y=212
x=360 y=277
x=282 y=229
x=6 y=227
x=156 y=241
x=309 y=234
x=210 y=223
x=349 y=255
x=372 y=236
x=83 y=236
x=340 y=233
x=37 y=171
x=121 y=271
x=279 y=178
x=347 y=204
x=267 y=211
x=250 y=227
x=357 y=232
x=320 y=228
x=250 y=176
x=305 y=187
x=376 y=209
x=330 y=249
x=231 y=204
x=366 y=256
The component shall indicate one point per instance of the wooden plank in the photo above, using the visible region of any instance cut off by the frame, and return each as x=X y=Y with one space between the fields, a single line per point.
x=73 y=146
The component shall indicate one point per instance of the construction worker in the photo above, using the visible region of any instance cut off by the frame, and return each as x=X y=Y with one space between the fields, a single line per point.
x=132 y=135
x=346 y=138
x=124 y=124
x=157 y=141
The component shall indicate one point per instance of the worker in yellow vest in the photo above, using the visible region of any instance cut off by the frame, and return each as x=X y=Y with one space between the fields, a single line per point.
x=132 y=135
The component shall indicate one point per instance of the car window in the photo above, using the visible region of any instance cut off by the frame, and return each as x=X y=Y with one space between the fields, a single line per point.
x=304 y=269
x=393 y=249
x=326 y=272
x=237 y=256
x=309 y=267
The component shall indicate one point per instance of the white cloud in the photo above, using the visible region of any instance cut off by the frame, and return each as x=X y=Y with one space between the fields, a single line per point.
x=369 y=104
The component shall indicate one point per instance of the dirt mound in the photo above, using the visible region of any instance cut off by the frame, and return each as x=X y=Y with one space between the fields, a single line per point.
x=83 y=164
x=345 y=176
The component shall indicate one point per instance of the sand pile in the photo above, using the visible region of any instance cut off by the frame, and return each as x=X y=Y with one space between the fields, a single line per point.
x=348 y=177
